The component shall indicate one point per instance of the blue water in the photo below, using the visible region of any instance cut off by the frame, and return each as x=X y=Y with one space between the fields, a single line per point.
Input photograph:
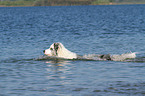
x=105 y=29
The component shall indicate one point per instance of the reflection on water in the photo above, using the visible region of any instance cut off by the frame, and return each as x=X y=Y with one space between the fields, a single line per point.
x=58 y=62
x=58 y=70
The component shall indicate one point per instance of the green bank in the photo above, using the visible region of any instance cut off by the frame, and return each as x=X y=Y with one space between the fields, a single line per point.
x=8 y=3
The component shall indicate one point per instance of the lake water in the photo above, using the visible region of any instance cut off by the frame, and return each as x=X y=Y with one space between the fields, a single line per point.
x=104 y=29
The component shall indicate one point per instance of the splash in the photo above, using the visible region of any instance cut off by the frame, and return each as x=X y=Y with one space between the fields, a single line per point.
x=115 y=57
x=123 y=57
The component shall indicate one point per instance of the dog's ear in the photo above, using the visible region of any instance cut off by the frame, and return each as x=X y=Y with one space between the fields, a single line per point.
x=56 y=46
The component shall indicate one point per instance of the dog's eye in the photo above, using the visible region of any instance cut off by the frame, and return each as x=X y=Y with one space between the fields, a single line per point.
x=51 y=48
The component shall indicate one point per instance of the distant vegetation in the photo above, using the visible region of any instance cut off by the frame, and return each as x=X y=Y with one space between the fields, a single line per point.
x=62 y=2
x=66 y=2
x=17 y=2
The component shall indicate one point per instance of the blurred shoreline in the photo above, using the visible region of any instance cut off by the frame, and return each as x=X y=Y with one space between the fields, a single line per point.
x=31 y=4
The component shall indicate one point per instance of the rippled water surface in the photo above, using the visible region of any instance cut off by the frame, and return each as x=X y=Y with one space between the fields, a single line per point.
x=107 y=29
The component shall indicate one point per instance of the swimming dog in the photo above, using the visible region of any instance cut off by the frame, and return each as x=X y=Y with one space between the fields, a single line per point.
x=58 y=50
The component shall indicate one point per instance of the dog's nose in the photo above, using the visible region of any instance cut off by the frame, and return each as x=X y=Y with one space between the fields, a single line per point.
x=43 y=51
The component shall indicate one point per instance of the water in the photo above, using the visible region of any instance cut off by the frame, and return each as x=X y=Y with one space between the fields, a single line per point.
x=108 y=29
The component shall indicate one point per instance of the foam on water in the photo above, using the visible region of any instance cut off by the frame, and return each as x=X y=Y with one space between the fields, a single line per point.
x=115 y=57
x=123 y=57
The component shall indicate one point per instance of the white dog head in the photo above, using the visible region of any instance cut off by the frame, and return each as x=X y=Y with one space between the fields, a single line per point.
x=57 y=49
x=52 y=51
